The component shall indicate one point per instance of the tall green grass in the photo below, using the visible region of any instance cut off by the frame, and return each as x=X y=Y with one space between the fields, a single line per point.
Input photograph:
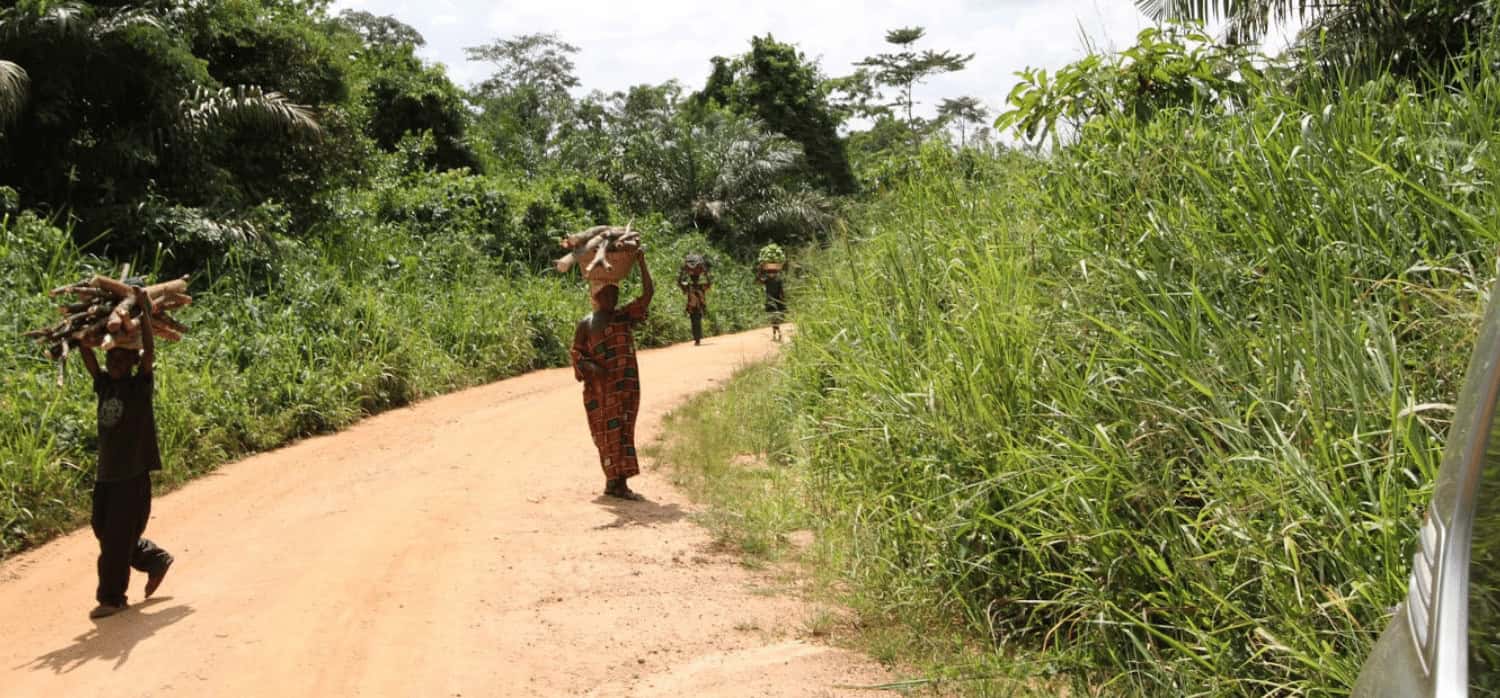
x=363 y=317
x=1166 y=401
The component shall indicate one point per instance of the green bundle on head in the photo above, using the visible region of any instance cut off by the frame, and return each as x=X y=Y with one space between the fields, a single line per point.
x=771 y=254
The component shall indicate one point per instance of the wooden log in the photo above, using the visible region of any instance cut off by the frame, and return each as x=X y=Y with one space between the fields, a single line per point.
x=60 y=328
x=171 y=301
x=91 y=294
x=77 y=320
x=582 y=237
x=91 y=335
x=121 y=340
x=120 y=316
x=600 y=258
x=70 y=288
x=106 y=316
x=179 y=286
x=166 y=320
x=117 y=288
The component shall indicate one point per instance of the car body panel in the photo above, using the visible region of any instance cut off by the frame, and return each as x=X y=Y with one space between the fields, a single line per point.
x=1426 y=650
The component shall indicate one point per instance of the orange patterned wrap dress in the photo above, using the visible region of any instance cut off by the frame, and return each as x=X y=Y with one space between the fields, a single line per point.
x=613 y=398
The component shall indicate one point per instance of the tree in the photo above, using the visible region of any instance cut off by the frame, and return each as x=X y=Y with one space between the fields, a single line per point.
x=855 y=96
x=781 y=88
x=906 y=68
x=100 y=81
x=1406 y=37
x=403 y=95
x=776 y=84
x=964 y=111
x=278 y=45
x=381 y=30
x=1169 y=68
x=719 y=90
x=728 y=176
x=13 y=87
x=712 y=168
x=210 y=111
x=1245 y=21
x=119 y=111
x=539 y=62
x=525 y=102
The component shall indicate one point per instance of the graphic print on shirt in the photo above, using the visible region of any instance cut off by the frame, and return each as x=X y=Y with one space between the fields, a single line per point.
x=110 y=412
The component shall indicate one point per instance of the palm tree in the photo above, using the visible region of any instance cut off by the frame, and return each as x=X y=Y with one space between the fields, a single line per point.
x=103 y=125
x=245 y=106
x=13 y=84
x=725 y=173
x=1402 y=36
x=1246 y=20
x=72 y=20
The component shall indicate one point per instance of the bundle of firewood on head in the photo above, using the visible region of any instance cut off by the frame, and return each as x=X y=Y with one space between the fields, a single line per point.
x=106 y=316
x=603 y=253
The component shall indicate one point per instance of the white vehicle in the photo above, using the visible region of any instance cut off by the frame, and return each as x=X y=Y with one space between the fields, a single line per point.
x=1444 y=639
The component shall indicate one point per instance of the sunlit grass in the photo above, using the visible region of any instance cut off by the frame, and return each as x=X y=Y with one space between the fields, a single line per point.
x=1165 y=403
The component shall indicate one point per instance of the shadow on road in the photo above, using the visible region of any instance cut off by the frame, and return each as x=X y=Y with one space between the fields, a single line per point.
x=113 y=638
x=643 y=513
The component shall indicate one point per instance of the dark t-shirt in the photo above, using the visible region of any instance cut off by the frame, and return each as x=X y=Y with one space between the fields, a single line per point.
x=774 y=299
x=127 y=427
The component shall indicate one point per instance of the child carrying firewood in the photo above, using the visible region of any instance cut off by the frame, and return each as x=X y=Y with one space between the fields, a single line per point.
x=128 y=452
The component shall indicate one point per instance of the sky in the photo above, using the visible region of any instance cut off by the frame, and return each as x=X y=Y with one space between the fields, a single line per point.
x=629 y=43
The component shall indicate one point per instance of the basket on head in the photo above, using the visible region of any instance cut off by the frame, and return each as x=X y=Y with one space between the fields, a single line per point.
x=695 y=260
x=620 y=262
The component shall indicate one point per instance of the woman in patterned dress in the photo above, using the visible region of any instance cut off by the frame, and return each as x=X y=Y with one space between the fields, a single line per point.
x=604 y=360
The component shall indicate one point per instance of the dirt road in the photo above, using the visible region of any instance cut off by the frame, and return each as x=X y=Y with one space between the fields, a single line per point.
x=456 y=548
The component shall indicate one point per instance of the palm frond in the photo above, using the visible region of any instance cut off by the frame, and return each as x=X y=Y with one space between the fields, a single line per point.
x=14 y=85
x=1246 y=21
x=244 y=106
x=802 y=211
x=67 y=19
x=125 y=19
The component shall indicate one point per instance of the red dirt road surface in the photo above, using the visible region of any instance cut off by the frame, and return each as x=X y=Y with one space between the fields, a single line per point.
x=455 y=548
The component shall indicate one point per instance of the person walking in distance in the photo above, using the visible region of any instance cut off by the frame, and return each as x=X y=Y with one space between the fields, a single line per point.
x=769 y=276
x=604 y=361
x=695 y=282
x=128 y=453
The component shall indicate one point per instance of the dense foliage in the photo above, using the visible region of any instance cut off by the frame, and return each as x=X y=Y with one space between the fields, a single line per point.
x=1166 y=402
x=1415 y=39
x=777 y=85
x=401 y=296
x=361 y=231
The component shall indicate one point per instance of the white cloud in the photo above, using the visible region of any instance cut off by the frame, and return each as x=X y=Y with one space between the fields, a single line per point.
x=628 y=43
